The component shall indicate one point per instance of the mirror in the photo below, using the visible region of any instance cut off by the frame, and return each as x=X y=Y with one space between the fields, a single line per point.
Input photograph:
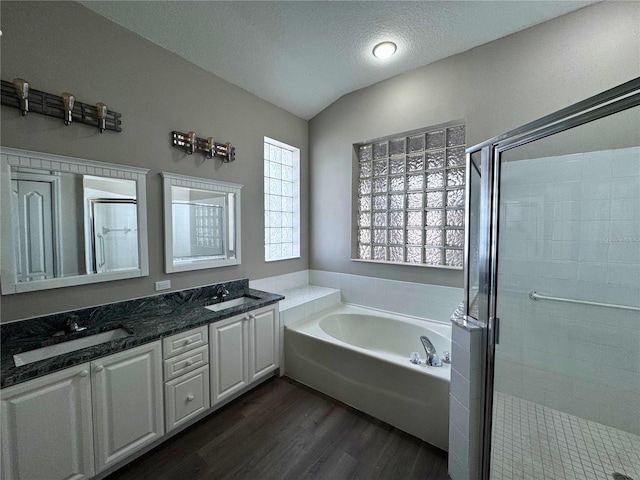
x=201 y=223
x=69 y=221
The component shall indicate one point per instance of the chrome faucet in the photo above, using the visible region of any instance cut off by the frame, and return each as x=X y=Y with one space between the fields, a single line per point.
x=432 y=356
x=219 y=292
x=73 y=326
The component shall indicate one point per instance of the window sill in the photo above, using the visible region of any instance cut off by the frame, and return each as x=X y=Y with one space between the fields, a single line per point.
x=280 y=259
x=446 y=267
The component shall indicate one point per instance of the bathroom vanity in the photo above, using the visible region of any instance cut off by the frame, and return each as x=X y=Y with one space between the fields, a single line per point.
x=84 y=413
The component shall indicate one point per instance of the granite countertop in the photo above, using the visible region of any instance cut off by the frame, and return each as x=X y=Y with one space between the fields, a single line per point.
x=148 y=319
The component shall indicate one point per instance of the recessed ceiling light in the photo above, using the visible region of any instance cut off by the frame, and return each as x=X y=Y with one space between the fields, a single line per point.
x=384 y=50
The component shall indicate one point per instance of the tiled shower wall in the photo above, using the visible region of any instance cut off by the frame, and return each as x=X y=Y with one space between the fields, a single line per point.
x=570 y=227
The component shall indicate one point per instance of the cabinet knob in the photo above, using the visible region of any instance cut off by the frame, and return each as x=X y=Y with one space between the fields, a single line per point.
x=188 y=341
x=252 y=317
x=190 y=398
x=188 y=363
x=83 y=373
x=99 y=368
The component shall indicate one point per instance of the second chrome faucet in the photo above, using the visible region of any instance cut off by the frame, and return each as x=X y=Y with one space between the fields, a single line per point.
x=219 y=292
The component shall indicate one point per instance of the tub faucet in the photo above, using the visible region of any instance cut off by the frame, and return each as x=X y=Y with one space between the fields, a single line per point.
x=219 y=292
x=432 y=356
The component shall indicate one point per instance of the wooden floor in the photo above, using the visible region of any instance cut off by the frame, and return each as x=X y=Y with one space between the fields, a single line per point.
x=283 y=430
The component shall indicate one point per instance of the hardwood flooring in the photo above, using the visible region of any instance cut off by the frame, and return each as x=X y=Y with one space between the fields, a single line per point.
x=282 y=430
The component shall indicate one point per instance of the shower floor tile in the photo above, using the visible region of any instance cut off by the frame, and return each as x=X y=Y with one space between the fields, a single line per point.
x=531 y=441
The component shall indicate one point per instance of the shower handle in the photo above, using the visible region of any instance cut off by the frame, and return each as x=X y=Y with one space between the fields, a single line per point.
x=101 y=240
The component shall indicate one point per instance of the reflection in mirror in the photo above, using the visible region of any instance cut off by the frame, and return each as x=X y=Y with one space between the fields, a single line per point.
x=202 y=223
x=69 y=221
x=198 y=224
x=111 y=226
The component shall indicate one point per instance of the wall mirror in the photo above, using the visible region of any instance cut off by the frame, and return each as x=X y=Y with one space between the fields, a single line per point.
x=201 y=223
x=69 y=221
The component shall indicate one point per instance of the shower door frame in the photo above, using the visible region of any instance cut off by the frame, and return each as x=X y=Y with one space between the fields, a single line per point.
x=609 y=102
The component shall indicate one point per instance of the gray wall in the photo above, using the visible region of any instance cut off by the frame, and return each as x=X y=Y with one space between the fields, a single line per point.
x=72 y=207
x=495 y=87
x=66 y=47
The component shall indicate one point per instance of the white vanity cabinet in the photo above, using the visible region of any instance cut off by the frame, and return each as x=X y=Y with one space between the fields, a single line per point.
x=81 y=421
x=243 y=349
x=127 y=402
x=186 y=376
x=47 y=427
x=74 y=423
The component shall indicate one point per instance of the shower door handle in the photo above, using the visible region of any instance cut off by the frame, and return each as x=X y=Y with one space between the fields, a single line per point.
x=496 y=331
x=101 y=239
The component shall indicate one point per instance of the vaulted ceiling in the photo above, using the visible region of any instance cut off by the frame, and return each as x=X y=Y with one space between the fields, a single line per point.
x=304 y=55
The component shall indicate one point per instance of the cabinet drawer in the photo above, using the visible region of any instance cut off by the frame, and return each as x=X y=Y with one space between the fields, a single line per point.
x=185 y=362
x=184 y=341
x=186 y=397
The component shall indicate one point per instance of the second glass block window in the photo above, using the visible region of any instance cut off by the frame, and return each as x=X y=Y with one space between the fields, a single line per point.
x=282 y=200
x=417 y=208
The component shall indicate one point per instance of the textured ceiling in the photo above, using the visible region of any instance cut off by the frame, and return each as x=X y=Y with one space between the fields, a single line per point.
x=304 y=55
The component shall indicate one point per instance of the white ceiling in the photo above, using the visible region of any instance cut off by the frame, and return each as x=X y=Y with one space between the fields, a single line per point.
x=304 y=55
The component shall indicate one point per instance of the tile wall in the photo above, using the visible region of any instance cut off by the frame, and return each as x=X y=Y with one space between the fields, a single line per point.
x=417 y=299
x=301 y=299
x=571 y=228
x=279 y=283
x=421 y=300
x=466 y=402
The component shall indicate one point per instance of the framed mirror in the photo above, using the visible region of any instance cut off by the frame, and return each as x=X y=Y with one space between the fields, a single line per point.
x=201 y=223
x=69 y=221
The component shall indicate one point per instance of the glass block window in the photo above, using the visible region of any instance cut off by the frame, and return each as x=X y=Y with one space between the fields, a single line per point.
x=281 y=201
x=410 y=198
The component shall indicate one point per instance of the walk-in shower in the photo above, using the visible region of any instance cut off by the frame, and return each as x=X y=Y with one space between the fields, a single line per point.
x=553 y=265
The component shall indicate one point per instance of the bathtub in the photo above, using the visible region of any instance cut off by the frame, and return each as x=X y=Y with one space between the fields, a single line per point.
x=360 y=356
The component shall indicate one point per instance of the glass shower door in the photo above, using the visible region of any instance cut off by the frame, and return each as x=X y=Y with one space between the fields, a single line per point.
x=566 y=379
x=115 y=238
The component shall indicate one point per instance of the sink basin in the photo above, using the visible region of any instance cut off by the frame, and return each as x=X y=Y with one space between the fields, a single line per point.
x=51 y=351
x=236 y=302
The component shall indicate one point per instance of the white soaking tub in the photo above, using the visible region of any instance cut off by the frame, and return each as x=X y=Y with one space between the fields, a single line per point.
x=360 y=356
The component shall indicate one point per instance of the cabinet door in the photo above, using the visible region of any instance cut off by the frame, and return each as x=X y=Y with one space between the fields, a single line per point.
x=264 y=352
x=47 y=429
x=228 y=359
x=127 y=402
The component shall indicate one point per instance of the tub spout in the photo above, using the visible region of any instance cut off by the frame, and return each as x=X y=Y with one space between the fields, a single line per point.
x=432 y=356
